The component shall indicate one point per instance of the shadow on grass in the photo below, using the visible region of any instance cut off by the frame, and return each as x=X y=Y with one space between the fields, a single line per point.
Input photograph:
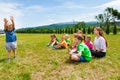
x=58 y=49
x=73 y=62
x=77 y=62
x=3 y=60
x=23 y=76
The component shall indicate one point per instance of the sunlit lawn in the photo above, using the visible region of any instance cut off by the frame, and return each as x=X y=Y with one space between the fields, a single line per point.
x=35 y=61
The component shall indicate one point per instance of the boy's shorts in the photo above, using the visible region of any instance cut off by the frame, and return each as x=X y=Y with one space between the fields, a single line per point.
x=11 y=45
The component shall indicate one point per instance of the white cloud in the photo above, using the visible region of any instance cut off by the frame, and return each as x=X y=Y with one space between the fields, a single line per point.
x=19 y=12
x=69 y=18
x=36 y=8
x=10 y=9
x=114 y=4
x=72 y=5
x=68 y=5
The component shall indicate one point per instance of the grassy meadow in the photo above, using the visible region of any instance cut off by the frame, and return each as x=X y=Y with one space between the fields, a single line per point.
x=35 y=61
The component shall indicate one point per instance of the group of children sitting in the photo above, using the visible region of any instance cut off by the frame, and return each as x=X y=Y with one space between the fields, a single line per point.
x=79 y=50
x=57 y=43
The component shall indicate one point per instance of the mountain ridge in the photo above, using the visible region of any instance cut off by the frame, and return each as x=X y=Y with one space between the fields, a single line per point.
x=61 y=25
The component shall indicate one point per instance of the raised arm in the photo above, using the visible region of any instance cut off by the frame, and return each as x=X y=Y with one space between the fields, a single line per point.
x=12 y=20
x=5 y=22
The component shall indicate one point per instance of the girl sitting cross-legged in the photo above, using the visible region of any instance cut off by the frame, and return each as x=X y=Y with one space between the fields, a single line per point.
x=82 y=54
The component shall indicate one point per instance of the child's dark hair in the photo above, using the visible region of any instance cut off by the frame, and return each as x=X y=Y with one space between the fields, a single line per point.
x=80 y=38
x=89 y=37
x=53 y=35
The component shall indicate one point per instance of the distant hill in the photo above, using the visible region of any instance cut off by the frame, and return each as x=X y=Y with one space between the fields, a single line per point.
x=58 y=27
x=1 y=32
x=61 y=25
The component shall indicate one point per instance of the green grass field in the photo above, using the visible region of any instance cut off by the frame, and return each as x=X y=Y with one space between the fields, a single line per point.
x=35 y=61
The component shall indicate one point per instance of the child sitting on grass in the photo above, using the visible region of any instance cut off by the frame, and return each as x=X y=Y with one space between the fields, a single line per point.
x=74 y=45
x=79 y=32
x=88 y=42
x=62 y=44
x=82 y=54
x=54 y=40
x=11 y=44
x=67 y=39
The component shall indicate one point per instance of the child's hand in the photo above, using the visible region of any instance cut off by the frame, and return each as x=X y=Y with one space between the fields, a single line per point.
x=69 y=50
x=11 y=18
x=70 y=53
x=5 y=20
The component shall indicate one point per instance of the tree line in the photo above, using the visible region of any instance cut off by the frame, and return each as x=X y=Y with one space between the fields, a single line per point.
x=69 y=30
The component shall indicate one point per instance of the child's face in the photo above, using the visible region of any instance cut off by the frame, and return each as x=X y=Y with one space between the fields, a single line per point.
x=77 y=41
x=75 y=36
x=87 y=39
x=79 y=32
x=63 y=37
x=95 y=31
x=9 y=28
x=52 y=37
x=66 y=37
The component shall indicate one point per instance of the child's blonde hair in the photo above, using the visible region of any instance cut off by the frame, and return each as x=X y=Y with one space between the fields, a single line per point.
x=79 y=32
x=9 y=23
x=75 y=35
x=63 y=37
x=66 y=35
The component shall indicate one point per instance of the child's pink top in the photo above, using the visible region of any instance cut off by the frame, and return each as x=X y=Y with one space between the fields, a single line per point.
x=89 y=44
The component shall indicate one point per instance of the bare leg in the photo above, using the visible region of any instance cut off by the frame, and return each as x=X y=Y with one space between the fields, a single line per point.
x=74 y=57
x=14 y=51
x=9 y=55
x=58 y=46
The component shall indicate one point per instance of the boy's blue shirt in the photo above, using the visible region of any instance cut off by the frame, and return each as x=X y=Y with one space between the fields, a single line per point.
x=10 y=35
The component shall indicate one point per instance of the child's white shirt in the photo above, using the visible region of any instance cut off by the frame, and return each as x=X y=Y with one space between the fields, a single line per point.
x=100 y=43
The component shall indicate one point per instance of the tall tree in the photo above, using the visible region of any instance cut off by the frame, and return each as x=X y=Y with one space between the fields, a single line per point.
x=71 y=30
x=84 y=30
x=89 y=30
x=114 y=15
x=100 y=18
x=75 y=30
x=109 y=15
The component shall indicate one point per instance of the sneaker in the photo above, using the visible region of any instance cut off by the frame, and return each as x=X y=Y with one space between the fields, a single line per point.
x=55 y=47
x=15 y=57
x=9 y=59
x=48 y=45
x=51 y=46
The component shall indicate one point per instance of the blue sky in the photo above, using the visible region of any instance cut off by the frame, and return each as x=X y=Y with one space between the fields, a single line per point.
x=30 y=13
